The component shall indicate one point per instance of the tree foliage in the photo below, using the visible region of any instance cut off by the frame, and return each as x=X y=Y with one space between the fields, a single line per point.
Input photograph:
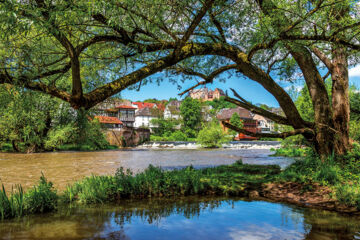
x=84 y=52
x=33 y=122
x=220 y=103
x=212 y=135
x=190 y=111
x=235 y=120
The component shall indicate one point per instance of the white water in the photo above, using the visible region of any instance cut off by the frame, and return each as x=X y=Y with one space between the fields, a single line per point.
x=193 y=145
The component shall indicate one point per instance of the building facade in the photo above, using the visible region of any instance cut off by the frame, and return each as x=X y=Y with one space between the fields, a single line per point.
x=249 y=123
x=204 y=94
x=144 y=116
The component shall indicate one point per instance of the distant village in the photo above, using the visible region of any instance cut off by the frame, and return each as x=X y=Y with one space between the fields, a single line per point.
x=118 y=114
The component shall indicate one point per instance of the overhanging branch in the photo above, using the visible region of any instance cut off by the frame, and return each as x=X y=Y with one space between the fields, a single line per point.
x=307 y=131
x=254 y=109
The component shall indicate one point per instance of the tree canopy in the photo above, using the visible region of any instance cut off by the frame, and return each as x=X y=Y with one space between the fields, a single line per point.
x=84 y=52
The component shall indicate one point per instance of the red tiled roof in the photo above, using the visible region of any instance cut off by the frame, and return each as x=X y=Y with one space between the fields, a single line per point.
x=112 y=120
x=142 y=105
x=125 y=107
x=161 y=106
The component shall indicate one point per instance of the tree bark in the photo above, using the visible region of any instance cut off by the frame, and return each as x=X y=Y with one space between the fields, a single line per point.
x=340 y=100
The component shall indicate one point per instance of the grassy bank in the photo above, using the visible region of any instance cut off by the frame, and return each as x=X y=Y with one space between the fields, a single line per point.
x=342 y=175
x=232 y=180
x=293 y=151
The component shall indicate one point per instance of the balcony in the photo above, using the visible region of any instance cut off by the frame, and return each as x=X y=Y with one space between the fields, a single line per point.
x=127 y=119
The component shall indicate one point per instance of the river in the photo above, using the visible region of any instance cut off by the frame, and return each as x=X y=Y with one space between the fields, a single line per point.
x=186 y=218
x=63 y=168
x=181 y=218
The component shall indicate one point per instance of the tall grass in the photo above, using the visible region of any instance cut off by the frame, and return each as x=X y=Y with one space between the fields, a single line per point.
x=156 y=182
x=13 y=205
x=41 y=198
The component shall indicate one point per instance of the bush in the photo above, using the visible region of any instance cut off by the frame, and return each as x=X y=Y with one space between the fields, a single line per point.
x=291 y=152
x=178 y=136
x=41 y=198
x=348 y=194
x=212 y=136
x=354 y=130
x=59 y=136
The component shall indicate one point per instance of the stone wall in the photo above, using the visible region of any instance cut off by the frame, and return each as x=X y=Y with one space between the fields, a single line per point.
x=127 y=137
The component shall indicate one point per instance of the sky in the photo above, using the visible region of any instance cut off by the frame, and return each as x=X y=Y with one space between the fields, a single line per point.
x=248 y=89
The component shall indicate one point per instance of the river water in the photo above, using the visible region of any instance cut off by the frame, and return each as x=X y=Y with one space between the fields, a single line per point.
x=187 y=218
x=184 y=218
x=63 y=168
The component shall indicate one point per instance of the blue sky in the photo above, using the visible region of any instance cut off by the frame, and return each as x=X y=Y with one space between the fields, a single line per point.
x=248 y=89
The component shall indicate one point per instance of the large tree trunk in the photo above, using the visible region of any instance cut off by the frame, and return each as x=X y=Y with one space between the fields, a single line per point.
x=340 y=100
x=340 y=86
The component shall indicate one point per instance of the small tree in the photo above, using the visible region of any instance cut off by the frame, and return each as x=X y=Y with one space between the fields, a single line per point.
x=212 y=136
x=235 y=120
x=190 y=111
x=164 y=127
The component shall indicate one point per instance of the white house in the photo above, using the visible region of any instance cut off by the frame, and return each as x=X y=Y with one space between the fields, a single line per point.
x=266 y=125
x=144 y=116
x=172 y=110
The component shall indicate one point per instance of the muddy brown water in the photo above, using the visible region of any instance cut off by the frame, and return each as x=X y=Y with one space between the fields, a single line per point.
x=63 y=168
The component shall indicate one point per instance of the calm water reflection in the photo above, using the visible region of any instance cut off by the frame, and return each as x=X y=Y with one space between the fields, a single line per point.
x=65 y=167
x=189 y=218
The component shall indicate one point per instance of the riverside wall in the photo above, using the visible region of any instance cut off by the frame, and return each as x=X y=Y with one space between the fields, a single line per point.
x=127 y=137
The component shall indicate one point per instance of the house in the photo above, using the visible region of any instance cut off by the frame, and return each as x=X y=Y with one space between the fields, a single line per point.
x=265 y=125
x=144 y=116
x=141 y=105
x=172 y=110
x=246 y=116
x=204 y=94
x=112 y=123
x=126 y=114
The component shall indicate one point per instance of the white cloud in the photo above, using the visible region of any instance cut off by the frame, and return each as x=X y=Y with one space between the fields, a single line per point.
x=355 y=71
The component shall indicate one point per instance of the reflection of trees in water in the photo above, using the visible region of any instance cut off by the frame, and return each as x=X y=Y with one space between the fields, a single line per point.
x=323 y=225
x=108 y=222
x=153 y=211
x=330 y=225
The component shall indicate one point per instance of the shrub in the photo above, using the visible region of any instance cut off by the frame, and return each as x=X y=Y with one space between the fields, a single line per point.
x=59 y=136
x=178 y=136
x=41 y=198
x=354 y=130
x=291 y=152
x=348 y=194
x=212 y=136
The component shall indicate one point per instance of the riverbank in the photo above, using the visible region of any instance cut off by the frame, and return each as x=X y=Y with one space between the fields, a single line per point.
x=244 y=180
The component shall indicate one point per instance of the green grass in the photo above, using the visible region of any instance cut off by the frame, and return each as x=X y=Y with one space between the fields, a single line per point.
x=291 y=151
x=155 y=182
x=40 y=199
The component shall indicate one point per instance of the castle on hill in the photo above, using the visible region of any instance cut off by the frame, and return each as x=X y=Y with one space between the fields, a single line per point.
x=204 y=94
